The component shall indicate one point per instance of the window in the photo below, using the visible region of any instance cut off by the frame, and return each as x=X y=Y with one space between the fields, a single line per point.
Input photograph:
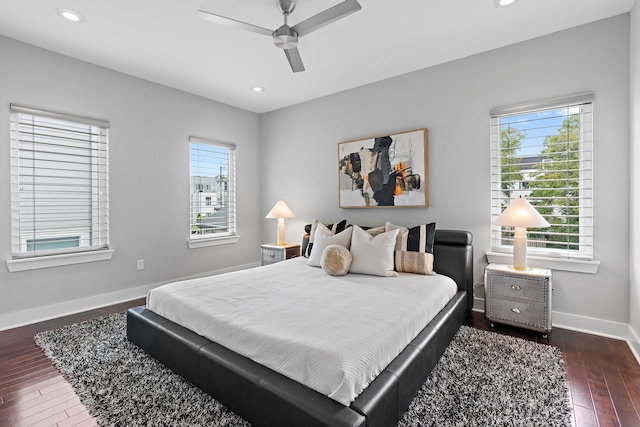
x=543 y=152
x=213 y=198
x=59 y=183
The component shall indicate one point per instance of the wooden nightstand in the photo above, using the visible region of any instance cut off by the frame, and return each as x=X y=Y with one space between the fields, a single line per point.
x=518 y=297
x=272 y=253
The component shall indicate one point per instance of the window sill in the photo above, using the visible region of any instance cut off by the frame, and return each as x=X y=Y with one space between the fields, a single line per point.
x=563 y=264
x=25 y=264
x=213 y=241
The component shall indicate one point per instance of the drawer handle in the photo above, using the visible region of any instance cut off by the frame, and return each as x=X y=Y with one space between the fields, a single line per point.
x=272 y=255
x=516 y=310
x=515 y=287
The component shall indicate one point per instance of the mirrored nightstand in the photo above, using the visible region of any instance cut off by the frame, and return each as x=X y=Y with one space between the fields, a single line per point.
x=272 y=253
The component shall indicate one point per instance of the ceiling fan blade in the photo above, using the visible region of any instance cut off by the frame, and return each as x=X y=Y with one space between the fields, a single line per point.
x=208 y=16
x=293 y=56
x=326 y=17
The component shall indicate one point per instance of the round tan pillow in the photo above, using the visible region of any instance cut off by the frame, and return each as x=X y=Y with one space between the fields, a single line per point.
x=336 y=260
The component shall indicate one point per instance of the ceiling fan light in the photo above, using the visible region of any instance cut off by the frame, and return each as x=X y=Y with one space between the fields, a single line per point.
x=285 y=38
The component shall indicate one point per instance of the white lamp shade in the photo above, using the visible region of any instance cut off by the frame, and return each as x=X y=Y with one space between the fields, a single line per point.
x=520 y=213
x=280 y=210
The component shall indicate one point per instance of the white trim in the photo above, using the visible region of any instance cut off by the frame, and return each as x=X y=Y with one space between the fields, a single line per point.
x=57 y=115
x=213 y=241
x=590 y=325
x=562 y=264
x=198 y=140
x=581 y=98
x=634 y=343
x=24 y=264
x=53 y=311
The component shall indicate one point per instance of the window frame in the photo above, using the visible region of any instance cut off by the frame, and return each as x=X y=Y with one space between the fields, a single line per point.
x=563 y=259
x=231 y=235
x=96 y=173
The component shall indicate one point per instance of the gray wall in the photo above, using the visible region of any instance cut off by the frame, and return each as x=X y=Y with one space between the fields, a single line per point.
x=453 y=101
x=149 y=181
x=634 y=253
x=149 y=163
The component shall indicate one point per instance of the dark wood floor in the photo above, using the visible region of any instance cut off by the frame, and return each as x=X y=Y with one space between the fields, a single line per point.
x=602 y=374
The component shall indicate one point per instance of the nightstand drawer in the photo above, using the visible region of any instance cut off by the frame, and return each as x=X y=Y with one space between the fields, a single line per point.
x=272 y=255
x=276 y=253
x=517 y=287
x=512 y=312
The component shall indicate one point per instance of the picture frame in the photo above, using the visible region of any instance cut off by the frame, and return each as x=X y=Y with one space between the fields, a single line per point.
x=385 y=171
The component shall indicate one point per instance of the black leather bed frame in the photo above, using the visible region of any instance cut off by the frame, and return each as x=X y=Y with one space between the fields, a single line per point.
x=266 y=398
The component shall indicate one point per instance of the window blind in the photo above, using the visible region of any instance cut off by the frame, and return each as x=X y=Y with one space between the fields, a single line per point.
x=543 y=151
x=59 y=183
x=212 y=191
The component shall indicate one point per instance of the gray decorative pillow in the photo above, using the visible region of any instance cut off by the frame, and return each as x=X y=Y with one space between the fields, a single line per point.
x=336 y=260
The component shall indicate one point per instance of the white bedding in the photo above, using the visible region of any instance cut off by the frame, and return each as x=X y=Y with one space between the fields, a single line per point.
x=333 y=334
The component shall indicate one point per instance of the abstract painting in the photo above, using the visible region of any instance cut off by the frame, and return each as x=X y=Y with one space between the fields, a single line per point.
x=384 y=171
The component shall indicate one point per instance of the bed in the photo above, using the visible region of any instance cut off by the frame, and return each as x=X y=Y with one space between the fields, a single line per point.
x=261 y=394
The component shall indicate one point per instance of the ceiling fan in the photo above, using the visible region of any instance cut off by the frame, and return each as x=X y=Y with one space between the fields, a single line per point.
x=286 y=37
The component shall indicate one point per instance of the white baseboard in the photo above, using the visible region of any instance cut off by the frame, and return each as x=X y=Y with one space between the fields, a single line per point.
x=634 y=343
x=589 y=325
x=47 y=312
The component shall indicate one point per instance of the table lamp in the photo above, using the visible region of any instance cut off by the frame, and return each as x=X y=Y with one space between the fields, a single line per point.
x=520 y=215
x=281 y=211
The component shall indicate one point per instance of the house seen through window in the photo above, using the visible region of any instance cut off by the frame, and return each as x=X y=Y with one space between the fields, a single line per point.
x=212 y=193
x=544 y=152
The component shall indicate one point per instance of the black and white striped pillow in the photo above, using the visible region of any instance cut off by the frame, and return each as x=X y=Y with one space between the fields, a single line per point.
x=418 y=239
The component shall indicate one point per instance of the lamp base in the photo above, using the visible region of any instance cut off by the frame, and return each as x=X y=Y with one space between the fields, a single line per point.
x=520 y=268
x=281 y=232
x=520 y=248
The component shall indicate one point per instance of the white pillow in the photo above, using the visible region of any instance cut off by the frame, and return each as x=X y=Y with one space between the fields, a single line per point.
x=373 y=254
x=325 y=237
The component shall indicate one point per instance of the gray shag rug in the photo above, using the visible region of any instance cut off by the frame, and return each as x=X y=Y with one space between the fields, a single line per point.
x=483 y=379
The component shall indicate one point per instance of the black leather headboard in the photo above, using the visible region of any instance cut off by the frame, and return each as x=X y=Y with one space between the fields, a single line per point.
x=452 y=255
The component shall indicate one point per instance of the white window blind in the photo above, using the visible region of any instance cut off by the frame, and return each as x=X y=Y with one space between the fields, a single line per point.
x=59 y=183
x=213 y=192
x=543 y=151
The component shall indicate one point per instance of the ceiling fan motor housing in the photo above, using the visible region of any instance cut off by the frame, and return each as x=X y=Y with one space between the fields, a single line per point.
x=285 y=37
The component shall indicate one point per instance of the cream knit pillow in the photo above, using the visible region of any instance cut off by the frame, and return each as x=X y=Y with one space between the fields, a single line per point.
x=336 y=260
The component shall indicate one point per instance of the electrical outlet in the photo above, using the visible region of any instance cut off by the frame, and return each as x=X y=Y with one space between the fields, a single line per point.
x=140 y=264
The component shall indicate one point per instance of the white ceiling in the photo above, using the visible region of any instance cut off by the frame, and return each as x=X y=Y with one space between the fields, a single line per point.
x=165 y=42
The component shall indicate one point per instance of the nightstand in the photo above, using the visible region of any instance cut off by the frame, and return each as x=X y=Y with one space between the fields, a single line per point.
x=272 y=253
x=518 y=297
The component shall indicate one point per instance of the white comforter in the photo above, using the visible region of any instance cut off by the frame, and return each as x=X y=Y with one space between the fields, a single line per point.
x=333 y=334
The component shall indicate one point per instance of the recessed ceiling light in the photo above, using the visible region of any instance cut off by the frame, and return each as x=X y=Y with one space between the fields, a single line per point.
x=257 y=89
x=70 y=15
x=503 y=3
